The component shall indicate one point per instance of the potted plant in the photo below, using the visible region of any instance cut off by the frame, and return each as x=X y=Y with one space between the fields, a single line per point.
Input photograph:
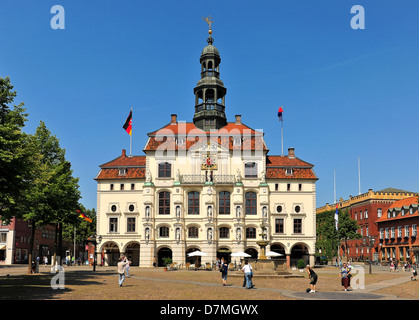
x=166 y=261
x=301 y=265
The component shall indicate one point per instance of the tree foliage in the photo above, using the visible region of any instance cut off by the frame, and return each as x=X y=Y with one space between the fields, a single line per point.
x=327 y=235
x=36 y=180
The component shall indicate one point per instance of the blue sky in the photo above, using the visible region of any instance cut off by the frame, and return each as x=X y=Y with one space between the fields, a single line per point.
x=346 y=93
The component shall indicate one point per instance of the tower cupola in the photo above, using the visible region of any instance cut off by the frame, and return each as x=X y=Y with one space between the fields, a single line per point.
x=210 y=91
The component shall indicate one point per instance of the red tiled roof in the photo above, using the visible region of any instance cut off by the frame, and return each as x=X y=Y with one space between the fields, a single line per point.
x=406 y=202
x=167 y=137
x=131 y=173
x=276 y=168
x=285 y=161
x=135 y=168
x=125 y=161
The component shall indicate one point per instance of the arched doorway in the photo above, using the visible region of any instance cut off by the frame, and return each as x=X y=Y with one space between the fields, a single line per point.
x=278 y=249
x=253 y=252
x=132 y=251
x=164 y=252
x=109 y=254
x=299 y=251
x=196 y=260
x=224 y=252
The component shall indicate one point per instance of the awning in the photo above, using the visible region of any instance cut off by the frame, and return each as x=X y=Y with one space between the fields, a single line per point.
x=3 y=247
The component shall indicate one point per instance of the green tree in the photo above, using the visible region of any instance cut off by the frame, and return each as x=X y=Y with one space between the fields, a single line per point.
x=54 y=196
x=327 y=235
x=15 y=154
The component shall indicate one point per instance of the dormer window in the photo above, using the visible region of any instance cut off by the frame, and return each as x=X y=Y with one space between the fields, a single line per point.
x=122 y=171
x=237 y=141
x=288 y=171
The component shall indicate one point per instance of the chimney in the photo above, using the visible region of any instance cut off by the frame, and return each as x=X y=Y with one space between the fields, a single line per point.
x=238 y=119
x=291 y=153
x=174 y=119
x=124 y=153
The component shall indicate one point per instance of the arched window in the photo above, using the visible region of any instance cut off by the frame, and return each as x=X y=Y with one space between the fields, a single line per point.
x=250 y=233
x=224 y=202
x=224 y=233
x=193 y=232
x=165 y=170
x=164 y=232
x=251 y=202
x=193 y=202
x=164 y=202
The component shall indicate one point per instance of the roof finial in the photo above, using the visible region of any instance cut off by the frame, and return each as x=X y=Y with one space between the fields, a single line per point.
x=210 y=22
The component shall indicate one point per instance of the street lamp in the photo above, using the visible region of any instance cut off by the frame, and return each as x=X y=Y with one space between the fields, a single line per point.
x=96 y=241
x=369 y=242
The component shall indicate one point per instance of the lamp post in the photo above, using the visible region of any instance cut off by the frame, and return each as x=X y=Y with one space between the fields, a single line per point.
x=96 y=241
x=369 y=242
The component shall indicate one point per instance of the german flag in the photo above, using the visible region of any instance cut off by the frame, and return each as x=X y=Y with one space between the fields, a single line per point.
x=128 y=124
x=82 y=215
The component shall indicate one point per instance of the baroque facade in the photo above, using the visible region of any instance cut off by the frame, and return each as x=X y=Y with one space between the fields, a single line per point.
x=206 y=185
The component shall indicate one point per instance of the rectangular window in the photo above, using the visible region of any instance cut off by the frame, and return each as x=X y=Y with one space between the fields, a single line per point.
x=406 y=231
x=276 y=186
x=111 y=186
x=130 y=224
x=414 y=230
x=279 y=225
x=251 y=170
x=224 y=203
x=164 y=202
x=300 y=187
x=379 y=213
x=193 y=202
x=393 y=232
x=3 y=237
x=251 y=233
x=399 y=232
x=132 y=186
x=288 y=186
x=165 y=170
x=387 y=233
x=381 y=233
x=113 y=225
x=224 y=233
x=298 y=226
x=122 y=186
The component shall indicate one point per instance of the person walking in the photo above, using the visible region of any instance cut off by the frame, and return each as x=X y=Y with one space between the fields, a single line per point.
x=414 y=272
x=224 y=271
x=313 y=279
x=121 y=270
x=343 y=274
x=127 y=266
x=247 y=270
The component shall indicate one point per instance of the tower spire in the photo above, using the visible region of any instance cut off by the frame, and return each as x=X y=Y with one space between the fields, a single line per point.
x=210 y=91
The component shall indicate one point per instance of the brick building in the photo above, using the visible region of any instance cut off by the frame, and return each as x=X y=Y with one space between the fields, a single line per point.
x=366 y=209
x=397 y=228
x=15 y=241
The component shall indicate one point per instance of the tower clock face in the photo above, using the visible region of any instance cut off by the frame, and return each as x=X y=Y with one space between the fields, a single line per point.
x=208 y=162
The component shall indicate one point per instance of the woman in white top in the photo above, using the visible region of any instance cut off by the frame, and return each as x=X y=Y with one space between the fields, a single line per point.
x=247 y=269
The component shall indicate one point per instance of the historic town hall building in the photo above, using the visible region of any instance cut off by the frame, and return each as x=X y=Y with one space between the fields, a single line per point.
x=205 y=185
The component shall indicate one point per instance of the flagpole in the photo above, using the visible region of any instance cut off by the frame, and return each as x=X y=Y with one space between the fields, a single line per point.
x=130 y=140
x=359 y=175
x=282 y=137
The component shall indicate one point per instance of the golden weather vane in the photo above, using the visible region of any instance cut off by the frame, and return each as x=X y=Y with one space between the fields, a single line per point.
x=209 y=21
